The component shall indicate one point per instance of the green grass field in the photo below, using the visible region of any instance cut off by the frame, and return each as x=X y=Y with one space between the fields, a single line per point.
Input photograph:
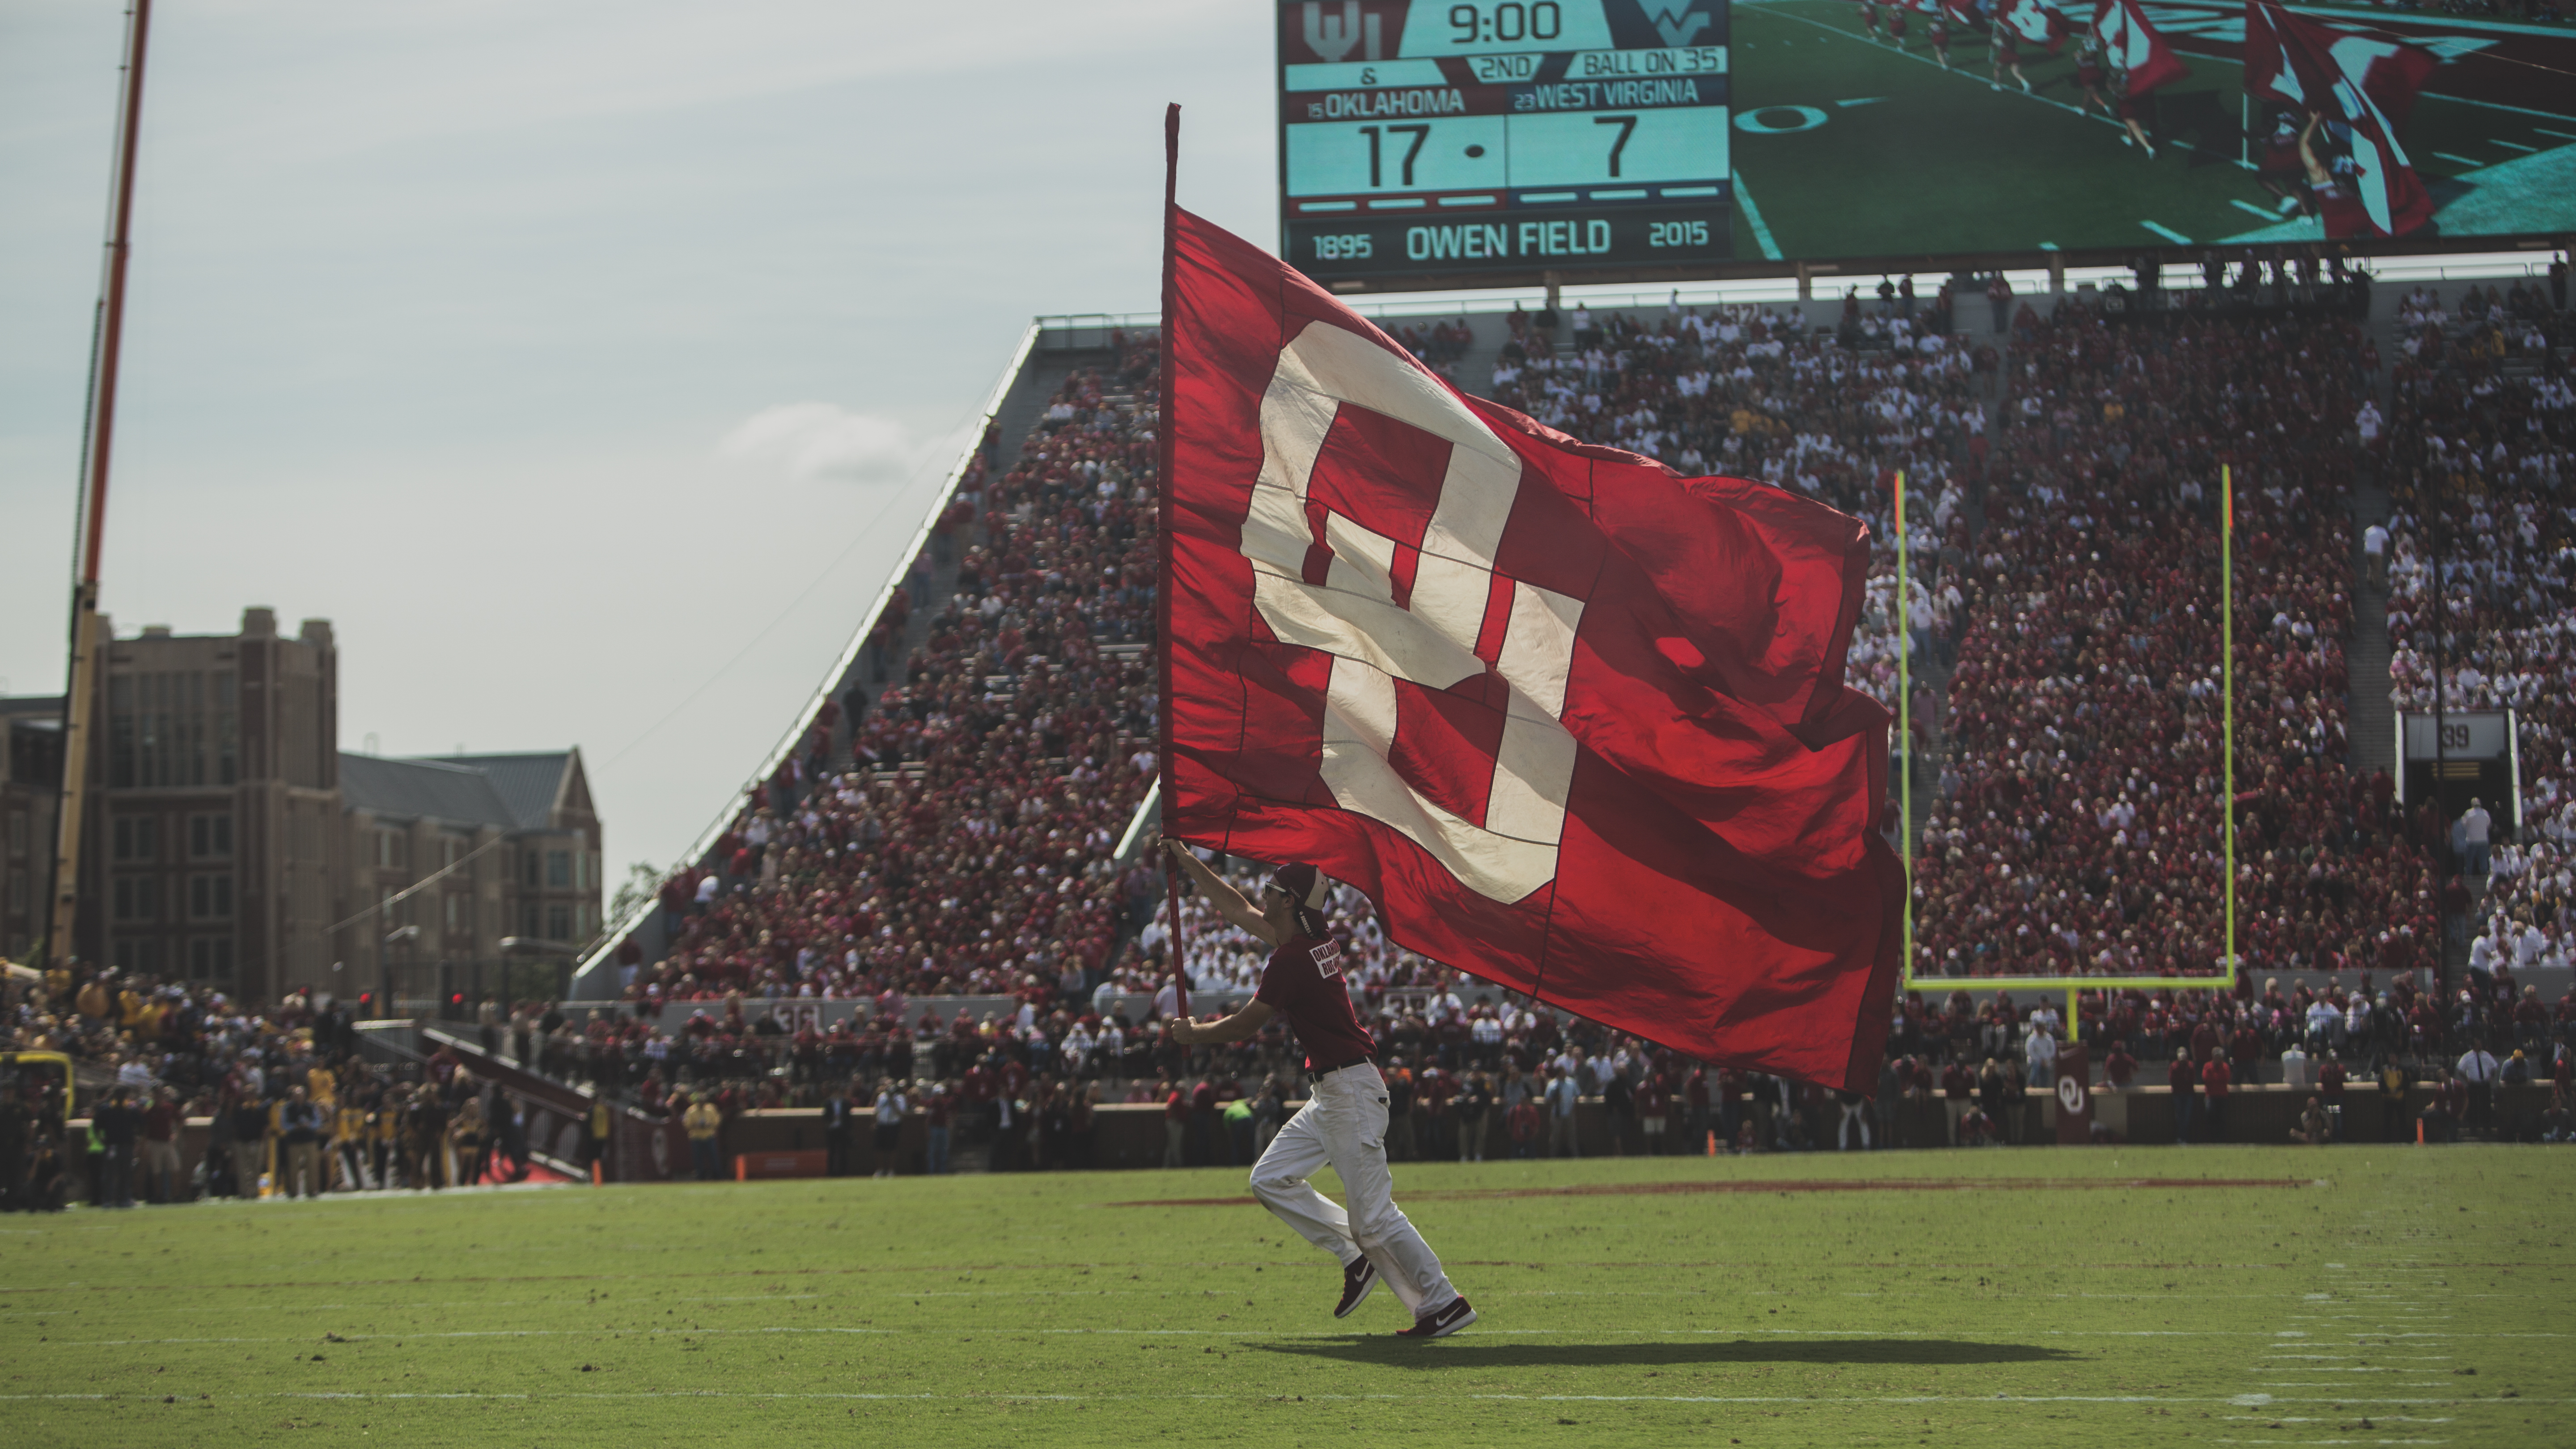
x=1875 y=151
x=2345 y=1296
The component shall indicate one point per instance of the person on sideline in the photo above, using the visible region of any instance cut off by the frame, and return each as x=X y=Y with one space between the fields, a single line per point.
x=1344 y=1120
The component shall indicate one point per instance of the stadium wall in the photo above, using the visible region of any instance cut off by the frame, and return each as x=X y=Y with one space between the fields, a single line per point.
x=1130 y=1135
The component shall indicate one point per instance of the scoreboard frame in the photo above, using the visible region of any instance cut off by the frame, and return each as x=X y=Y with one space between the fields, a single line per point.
x=1477 y=161
x=2029 y=170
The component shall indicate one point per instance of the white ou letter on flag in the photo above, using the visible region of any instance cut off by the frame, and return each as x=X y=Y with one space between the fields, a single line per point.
x=1431 y=640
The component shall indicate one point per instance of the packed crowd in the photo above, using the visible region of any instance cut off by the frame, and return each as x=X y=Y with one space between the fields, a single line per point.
x=2079 y=827
x=1755 y=392
x=290 y=1106
x=2481 y=565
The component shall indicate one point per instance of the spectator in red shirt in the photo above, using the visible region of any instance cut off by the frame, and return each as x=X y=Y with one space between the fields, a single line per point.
x=2215 y=1078
x=1202 y=1123
x=2119 y=1069
x=1176 y=1125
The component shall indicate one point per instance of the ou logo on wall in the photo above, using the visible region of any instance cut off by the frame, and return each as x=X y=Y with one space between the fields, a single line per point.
x=1430 y=638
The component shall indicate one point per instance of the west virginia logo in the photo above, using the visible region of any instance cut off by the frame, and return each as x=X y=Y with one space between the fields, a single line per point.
x=1677 y=29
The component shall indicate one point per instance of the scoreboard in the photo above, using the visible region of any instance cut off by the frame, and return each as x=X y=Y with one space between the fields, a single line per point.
x=1467 y=138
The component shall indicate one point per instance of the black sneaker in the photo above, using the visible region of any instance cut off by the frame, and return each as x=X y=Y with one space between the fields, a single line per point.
x=1443 y=1323
x=1358 y=1281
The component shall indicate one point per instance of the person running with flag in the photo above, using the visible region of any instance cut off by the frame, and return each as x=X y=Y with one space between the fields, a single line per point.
x=2004 y=54
x=1344 y=1120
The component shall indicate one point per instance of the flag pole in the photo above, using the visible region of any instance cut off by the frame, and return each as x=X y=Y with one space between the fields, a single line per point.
x=1164 y=431
x=1904 y=723
x=2227 y=689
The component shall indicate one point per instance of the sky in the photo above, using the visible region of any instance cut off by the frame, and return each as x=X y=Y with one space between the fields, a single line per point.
x=587 y=365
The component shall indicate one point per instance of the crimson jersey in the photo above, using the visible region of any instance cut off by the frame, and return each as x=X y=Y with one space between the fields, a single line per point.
x=1303 y=982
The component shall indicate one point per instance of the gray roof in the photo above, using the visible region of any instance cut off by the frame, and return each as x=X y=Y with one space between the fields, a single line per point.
x=423 y=790
x=528 y=784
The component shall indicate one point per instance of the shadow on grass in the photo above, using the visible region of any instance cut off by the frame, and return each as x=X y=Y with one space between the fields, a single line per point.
x=1522 y=1353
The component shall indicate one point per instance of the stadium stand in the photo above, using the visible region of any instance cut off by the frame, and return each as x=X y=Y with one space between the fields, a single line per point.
x=2482 y=580
x=936 y=861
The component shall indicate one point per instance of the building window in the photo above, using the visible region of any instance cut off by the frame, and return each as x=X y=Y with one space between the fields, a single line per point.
x=558 y=923
x=460 y=914
x=528 y=921
x=210 y=837
x=137 y=954
x=138 y=837
x=210 y=897
x=17 y=893
x=227 y=729
x=528 y=869
x=137 y=898
x=210 y=958
x=559 y=869
x=17 y=833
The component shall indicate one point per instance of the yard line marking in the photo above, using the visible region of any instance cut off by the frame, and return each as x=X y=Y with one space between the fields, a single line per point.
x=2265 y=212
x=2463 y=160
x=830 y=1395
x=2499 y=106
x=510 y=1333
x=2168 y=233
x=2561 y=135
x=2512 y=145
x=1753 y=220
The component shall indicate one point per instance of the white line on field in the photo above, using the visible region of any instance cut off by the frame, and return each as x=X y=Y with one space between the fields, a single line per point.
x=1753 y=222
x=1253 y=1398
x=943 y=1330
x=484 y=1333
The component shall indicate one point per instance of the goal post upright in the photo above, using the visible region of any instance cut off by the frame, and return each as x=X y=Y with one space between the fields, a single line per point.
x=2227 y=699
x=1904 y=724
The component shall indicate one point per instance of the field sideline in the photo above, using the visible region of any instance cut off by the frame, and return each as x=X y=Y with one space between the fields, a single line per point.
x=2227 y=1295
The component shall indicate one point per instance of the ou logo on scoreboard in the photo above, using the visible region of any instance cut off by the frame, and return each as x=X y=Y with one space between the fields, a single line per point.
x=1430 y=640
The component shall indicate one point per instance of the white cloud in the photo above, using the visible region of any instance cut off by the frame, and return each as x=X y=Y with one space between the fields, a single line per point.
x=817 y=440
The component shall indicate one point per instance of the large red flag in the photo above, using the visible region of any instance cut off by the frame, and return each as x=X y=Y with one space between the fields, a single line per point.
x=2355 y=84
x=2139 y=48
x=2037 y=22
x=1575 y=723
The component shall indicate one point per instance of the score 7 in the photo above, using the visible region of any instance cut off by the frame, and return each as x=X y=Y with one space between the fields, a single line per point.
x=1450 y=153
x=1627 y=127
x=1578 y=148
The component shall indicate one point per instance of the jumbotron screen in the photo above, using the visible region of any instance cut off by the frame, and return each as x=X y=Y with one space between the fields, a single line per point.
x=1466 y=139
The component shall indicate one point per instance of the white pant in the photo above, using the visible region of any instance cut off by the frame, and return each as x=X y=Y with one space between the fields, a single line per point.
x=1344 y=1124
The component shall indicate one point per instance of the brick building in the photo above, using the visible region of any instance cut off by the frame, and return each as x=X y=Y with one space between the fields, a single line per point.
x=226 y=839
x=517 y=840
